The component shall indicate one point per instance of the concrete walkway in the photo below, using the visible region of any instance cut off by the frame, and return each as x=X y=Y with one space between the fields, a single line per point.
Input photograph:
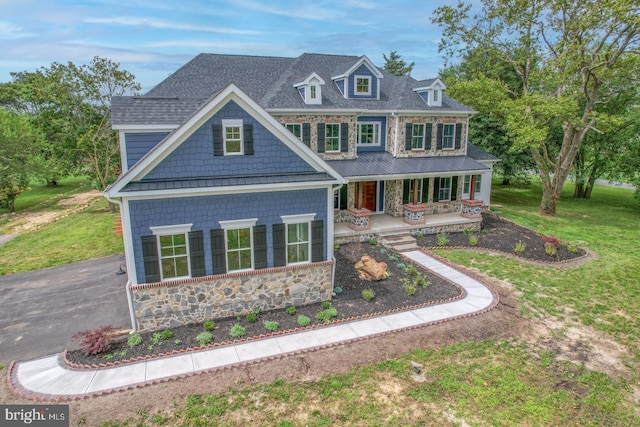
x=48 y=379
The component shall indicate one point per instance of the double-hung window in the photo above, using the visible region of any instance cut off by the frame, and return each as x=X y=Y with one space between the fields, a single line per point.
x=298 y=238
x=467 y=184
x=363 y=85
x=415 y=190
x=332 y=137
x=417 y=136
x=238 y=239
x=296 y=129
x=232 y=133
x=448 y=136
x=444 y=191
x=173 y=251
x=369 y=134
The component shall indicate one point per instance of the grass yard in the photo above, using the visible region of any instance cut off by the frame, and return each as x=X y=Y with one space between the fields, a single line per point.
x=41 y=197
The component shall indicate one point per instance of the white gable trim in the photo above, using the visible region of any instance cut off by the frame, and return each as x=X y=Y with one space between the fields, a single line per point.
x=309 y=79
x=362 y=60
x=175 y=139
x=436 y=84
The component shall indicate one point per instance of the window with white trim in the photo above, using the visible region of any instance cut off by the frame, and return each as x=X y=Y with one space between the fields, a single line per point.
x=444 y=191
x=233 y=138
x=448 y=136
x=363 y=85
x=173 y=251
x=298 y=238
x=369 y=133
x=417 y=136
x=436 y=95
x=332 y=137
x=313 y=92
x=409 y=190
x=296 y=129
x=467 y=184
x=238 y=240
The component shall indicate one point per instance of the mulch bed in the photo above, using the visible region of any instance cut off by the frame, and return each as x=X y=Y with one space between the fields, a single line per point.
x=501 y=235
x=389 y=296
x=497 y=235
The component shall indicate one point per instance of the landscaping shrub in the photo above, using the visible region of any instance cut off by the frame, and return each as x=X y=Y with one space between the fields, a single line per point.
x=520 y=247
x=368 y=294
x=327 y=314
x=442 y=239
x=204 y=338
x=97 y=341
x=237 y=331
x=291 y=310
x=209 y=325
x=303 y=320
x=134 y=339
x=270 y=325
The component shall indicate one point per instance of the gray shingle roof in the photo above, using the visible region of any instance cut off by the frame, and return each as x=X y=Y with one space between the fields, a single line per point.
x=479 y=154
x=269 y=81
x=384 y=164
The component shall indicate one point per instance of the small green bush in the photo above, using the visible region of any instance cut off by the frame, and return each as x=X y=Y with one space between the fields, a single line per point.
x=252 y=317
x=327 y=314
x=442 y=239
x=303 y=320
x=401 y=266
x=393 y=258
x=134 y=339
x=373 y=242
x=270 y=325
x=520 y=247
x=421 y=281
x=337 y=290
x=368 y=294
x=411 y=270
x=291 y=310
x=410 y=289
x=204 y=338
x=573 y=249
x=209 y=325
x=166 y=334
x=237 y=331
x=473 y=239
x=177 y=342
x=325 y=305
x=550 y=249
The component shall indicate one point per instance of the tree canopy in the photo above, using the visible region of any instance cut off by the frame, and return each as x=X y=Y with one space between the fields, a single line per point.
x=397 y=66
x=565 y=54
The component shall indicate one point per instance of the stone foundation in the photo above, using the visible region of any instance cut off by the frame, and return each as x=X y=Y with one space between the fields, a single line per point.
x=359 y=219
x=471 y=209
x=414 y=214
x=167 y=305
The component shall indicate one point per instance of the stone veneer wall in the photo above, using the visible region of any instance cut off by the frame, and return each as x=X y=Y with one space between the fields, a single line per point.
x=433 y=152
x=314 y=120
x=172 y=304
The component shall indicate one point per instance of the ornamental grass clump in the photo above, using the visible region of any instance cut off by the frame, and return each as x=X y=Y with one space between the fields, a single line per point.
x=520 y=247
x=551 y=245
x=442 y=239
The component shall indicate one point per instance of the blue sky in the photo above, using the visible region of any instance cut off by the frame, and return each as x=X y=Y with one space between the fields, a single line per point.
x=152 y=38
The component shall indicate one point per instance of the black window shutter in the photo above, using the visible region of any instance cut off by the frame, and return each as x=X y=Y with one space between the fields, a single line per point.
x=425 y=190
x=428 y=130
x=436 y=189
x=406 y=196
x=218 y=142
x=218 y=255
x=439 y=136
x=321 y=145
x=279 y=245
x=458 y=135
x=407 y=136
x=260 y=246
x=317 y=241
x=343 y=197
x=248 y=139
x=306 y=134
x=344 y=137
x=196 y=253
x=454 y=188
x=150 y=259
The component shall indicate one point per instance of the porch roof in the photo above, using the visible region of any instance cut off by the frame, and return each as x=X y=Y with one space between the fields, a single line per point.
x=383 y=165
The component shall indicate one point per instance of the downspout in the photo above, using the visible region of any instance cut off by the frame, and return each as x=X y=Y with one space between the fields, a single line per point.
x=128 y=285
x=395 y=136
x=333 y=256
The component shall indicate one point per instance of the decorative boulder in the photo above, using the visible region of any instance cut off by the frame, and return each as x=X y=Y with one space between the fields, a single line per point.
x=368 y=269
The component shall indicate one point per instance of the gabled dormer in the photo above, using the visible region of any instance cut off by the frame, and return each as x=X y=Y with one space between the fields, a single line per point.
x=311 y=89
x=359 y=80
x=431 y=91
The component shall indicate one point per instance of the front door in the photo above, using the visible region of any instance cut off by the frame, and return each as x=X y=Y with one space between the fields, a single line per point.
x=369 y=195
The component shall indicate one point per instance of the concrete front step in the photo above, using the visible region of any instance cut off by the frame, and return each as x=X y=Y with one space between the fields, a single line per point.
x=399 y=242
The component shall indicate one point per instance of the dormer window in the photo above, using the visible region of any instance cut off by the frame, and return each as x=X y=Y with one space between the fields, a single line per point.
x=431 y=91
x=311 y=89
x=363 y=85
x=436 y=95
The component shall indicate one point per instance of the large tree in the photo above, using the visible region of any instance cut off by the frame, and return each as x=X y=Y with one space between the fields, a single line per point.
x=20 y=146
x=564 y=53
x=395 y=65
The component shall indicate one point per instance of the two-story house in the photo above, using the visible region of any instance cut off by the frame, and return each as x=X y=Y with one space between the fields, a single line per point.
x=240 y=173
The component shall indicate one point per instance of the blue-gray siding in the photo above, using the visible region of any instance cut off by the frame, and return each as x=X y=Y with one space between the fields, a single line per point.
x=204 y=212
x=194 y=157
x=139 y=144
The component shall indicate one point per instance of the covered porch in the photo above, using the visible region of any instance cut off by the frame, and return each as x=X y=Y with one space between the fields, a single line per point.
x=385 y=225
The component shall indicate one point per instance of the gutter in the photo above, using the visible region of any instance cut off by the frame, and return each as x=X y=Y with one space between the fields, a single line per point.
x=128 y=285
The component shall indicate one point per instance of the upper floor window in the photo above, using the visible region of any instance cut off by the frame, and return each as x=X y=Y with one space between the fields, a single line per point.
x=332 y=137
x=313 y=94
x=296 y=129
x=417 y=136
x=369 y=133
x=232 y=134
x=448 y=136
x=436 y=95
x=363 y=85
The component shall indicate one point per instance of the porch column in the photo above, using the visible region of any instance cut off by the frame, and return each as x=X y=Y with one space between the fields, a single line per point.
x=472 y=188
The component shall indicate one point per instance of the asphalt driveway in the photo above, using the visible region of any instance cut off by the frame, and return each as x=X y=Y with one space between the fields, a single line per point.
x=41 y=310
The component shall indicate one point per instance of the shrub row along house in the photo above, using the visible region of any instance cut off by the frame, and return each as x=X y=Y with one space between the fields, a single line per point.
x=241 y=172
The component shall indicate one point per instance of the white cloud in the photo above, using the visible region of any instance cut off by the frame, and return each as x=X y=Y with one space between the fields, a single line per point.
x=9 y=30
x=165 y=25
